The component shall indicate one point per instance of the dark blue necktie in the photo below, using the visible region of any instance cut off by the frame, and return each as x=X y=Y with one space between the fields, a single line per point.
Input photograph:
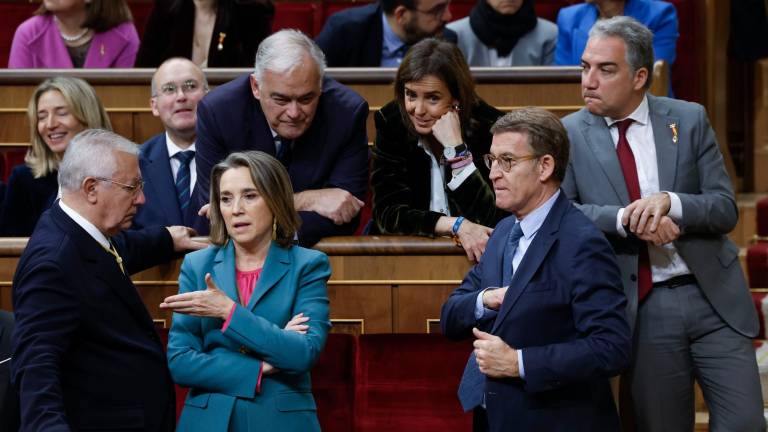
x=183 y=178
x=472 y=385
x=514 y=239
x=283 y=148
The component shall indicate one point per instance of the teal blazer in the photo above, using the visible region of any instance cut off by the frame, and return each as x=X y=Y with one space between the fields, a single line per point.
x=223 y=369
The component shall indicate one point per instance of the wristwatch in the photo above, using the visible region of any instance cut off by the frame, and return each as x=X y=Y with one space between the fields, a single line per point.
x=453 y=152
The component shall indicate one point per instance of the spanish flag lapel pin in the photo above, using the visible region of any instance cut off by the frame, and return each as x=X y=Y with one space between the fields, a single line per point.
x=673 y=128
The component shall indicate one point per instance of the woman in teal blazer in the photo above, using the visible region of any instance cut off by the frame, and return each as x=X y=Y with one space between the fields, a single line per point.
x=233 y=341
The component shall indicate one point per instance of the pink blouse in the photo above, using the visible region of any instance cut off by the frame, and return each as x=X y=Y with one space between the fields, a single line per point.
x=246 y=282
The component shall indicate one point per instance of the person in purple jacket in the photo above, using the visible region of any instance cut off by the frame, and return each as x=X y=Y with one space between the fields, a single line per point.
x=76 y=34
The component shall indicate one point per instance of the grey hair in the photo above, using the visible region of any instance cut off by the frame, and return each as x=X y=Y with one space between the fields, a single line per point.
x=153 y=83
x=283 y=51
x=637 y=38
x=91 y=153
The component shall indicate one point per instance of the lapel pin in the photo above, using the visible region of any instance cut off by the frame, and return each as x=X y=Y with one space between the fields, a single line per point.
x=220 y=46
x=673 y=128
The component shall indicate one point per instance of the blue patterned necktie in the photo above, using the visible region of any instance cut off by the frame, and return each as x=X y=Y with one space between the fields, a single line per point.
x=514 y=239
x=283 y=150
x=472 y=385
x=183 y=178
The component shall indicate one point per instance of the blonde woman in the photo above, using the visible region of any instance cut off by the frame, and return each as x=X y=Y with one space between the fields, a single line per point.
x=59 y=109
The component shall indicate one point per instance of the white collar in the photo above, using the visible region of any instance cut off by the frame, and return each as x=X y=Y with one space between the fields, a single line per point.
x=639 y=115
x=173 y=148
x=85 y=224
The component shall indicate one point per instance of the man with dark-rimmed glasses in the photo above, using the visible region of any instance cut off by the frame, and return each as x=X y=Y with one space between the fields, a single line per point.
x=545 y=303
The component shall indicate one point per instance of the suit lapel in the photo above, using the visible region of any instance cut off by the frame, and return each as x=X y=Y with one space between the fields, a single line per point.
x=599 y=140
x=160 y=178
x=666 y=149
x=223 y=273
x=275 y=267
x=534 y=257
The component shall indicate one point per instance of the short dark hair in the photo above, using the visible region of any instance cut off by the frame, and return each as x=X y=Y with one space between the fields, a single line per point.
x=546 y=134
x=389 y=6
x=273 y=184
x=445 y=61
x=101 y=15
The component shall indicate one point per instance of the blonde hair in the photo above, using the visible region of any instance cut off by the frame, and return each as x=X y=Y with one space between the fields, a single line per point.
x=273 y=184
x=84 y=106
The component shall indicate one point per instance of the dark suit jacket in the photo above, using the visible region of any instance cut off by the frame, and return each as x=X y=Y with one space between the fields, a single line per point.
x=169 y=33
x=162 y=204
x=353 y=37
x=333 y=152
x=85 y=351
x=9 y=400
x=401 y=176
x=565 y=310
x=25 y=200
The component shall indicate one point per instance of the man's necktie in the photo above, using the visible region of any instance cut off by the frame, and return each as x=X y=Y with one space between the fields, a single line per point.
x=183 y=178
x=283 y=147
x=514 y=239
x=472 y=385
x=629 y=169
x=112 y=251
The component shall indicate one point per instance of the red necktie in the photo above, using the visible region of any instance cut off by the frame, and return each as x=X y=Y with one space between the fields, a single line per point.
x=629 y=169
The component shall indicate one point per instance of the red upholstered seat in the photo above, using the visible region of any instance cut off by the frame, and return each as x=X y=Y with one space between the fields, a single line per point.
x=757 y=265
x=408 y=382
x=333 y=383
x=759 y=299
x=300 y=16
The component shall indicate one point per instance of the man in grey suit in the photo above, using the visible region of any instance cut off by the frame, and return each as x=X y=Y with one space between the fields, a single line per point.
x=647 y=170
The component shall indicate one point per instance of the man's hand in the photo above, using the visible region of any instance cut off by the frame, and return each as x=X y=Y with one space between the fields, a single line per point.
x=652 y=208
x=336 y=204
x=493 y=297
x=211 y=302
x=666 y=232
x=473 y=238
x=182 y=239
x=204 y=210
x=447 y=129
x=494 y=357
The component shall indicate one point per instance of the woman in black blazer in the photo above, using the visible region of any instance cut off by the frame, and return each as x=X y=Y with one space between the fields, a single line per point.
x=239 y=26
x=59 y=109
x=428 y=176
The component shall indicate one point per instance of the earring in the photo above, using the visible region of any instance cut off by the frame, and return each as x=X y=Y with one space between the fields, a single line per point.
x=274 y=229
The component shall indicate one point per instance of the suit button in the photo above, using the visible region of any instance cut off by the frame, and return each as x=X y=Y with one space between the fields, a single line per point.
x=633 y=278
x=243 y=349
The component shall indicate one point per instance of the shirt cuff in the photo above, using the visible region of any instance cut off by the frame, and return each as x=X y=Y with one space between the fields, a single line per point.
x=675 y=207
x=619 y=226
x=480 y=309
x=229 y=318
x=520 y=365
x=459 y=178
x=258 y=380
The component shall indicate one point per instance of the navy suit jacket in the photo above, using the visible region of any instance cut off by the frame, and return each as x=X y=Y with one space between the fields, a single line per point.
x=85 y=351
x=162 y=204
x=332 y=153
x=565 y=311
x=353 y=37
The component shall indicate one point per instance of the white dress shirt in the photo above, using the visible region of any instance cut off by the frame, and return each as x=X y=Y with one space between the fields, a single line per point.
x=86 y=225
x=176 y=164
x=438 y=198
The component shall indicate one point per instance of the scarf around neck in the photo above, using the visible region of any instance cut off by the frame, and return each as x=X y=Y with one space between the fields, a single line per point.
x=501 y=31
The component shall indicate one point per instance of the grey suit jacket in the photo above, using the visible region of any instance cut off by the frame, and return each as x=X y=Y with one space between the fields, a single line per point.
x=693 y=168
x=536 y=48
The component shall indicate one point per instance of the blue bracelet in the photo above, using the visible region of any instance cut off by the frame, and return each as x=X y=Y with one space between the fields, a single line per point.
x=456 y=225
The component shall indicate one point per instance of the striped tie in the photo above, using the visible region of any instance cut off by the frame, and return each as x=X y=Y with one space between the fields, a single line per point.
x=183 y=178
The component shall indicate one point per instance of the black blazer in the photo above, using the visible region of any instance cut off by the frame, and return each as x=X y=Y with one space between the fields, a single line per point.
x=85 y=352
x=401 y=176
x=26 y=199
x=353 y=37
x=169 y=32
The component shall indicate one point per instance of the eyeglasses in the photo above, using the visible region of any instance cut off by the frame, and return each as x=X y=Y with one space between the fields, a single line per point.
x=132 y=189
x=187 y=87
x=506 y=162
x=436 y=12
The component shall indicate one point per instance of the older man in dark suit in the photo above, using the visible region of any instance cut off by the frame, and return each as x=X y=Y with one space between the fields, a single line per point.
x=311 y=123
x=548 y=340
x=85 y=352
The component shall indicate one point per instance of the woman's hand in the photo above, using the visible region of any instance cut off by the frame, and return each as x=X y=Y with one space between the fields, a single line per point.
x=473 y=238
x=297 y=324
x=212 y=302
x=447 y=129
